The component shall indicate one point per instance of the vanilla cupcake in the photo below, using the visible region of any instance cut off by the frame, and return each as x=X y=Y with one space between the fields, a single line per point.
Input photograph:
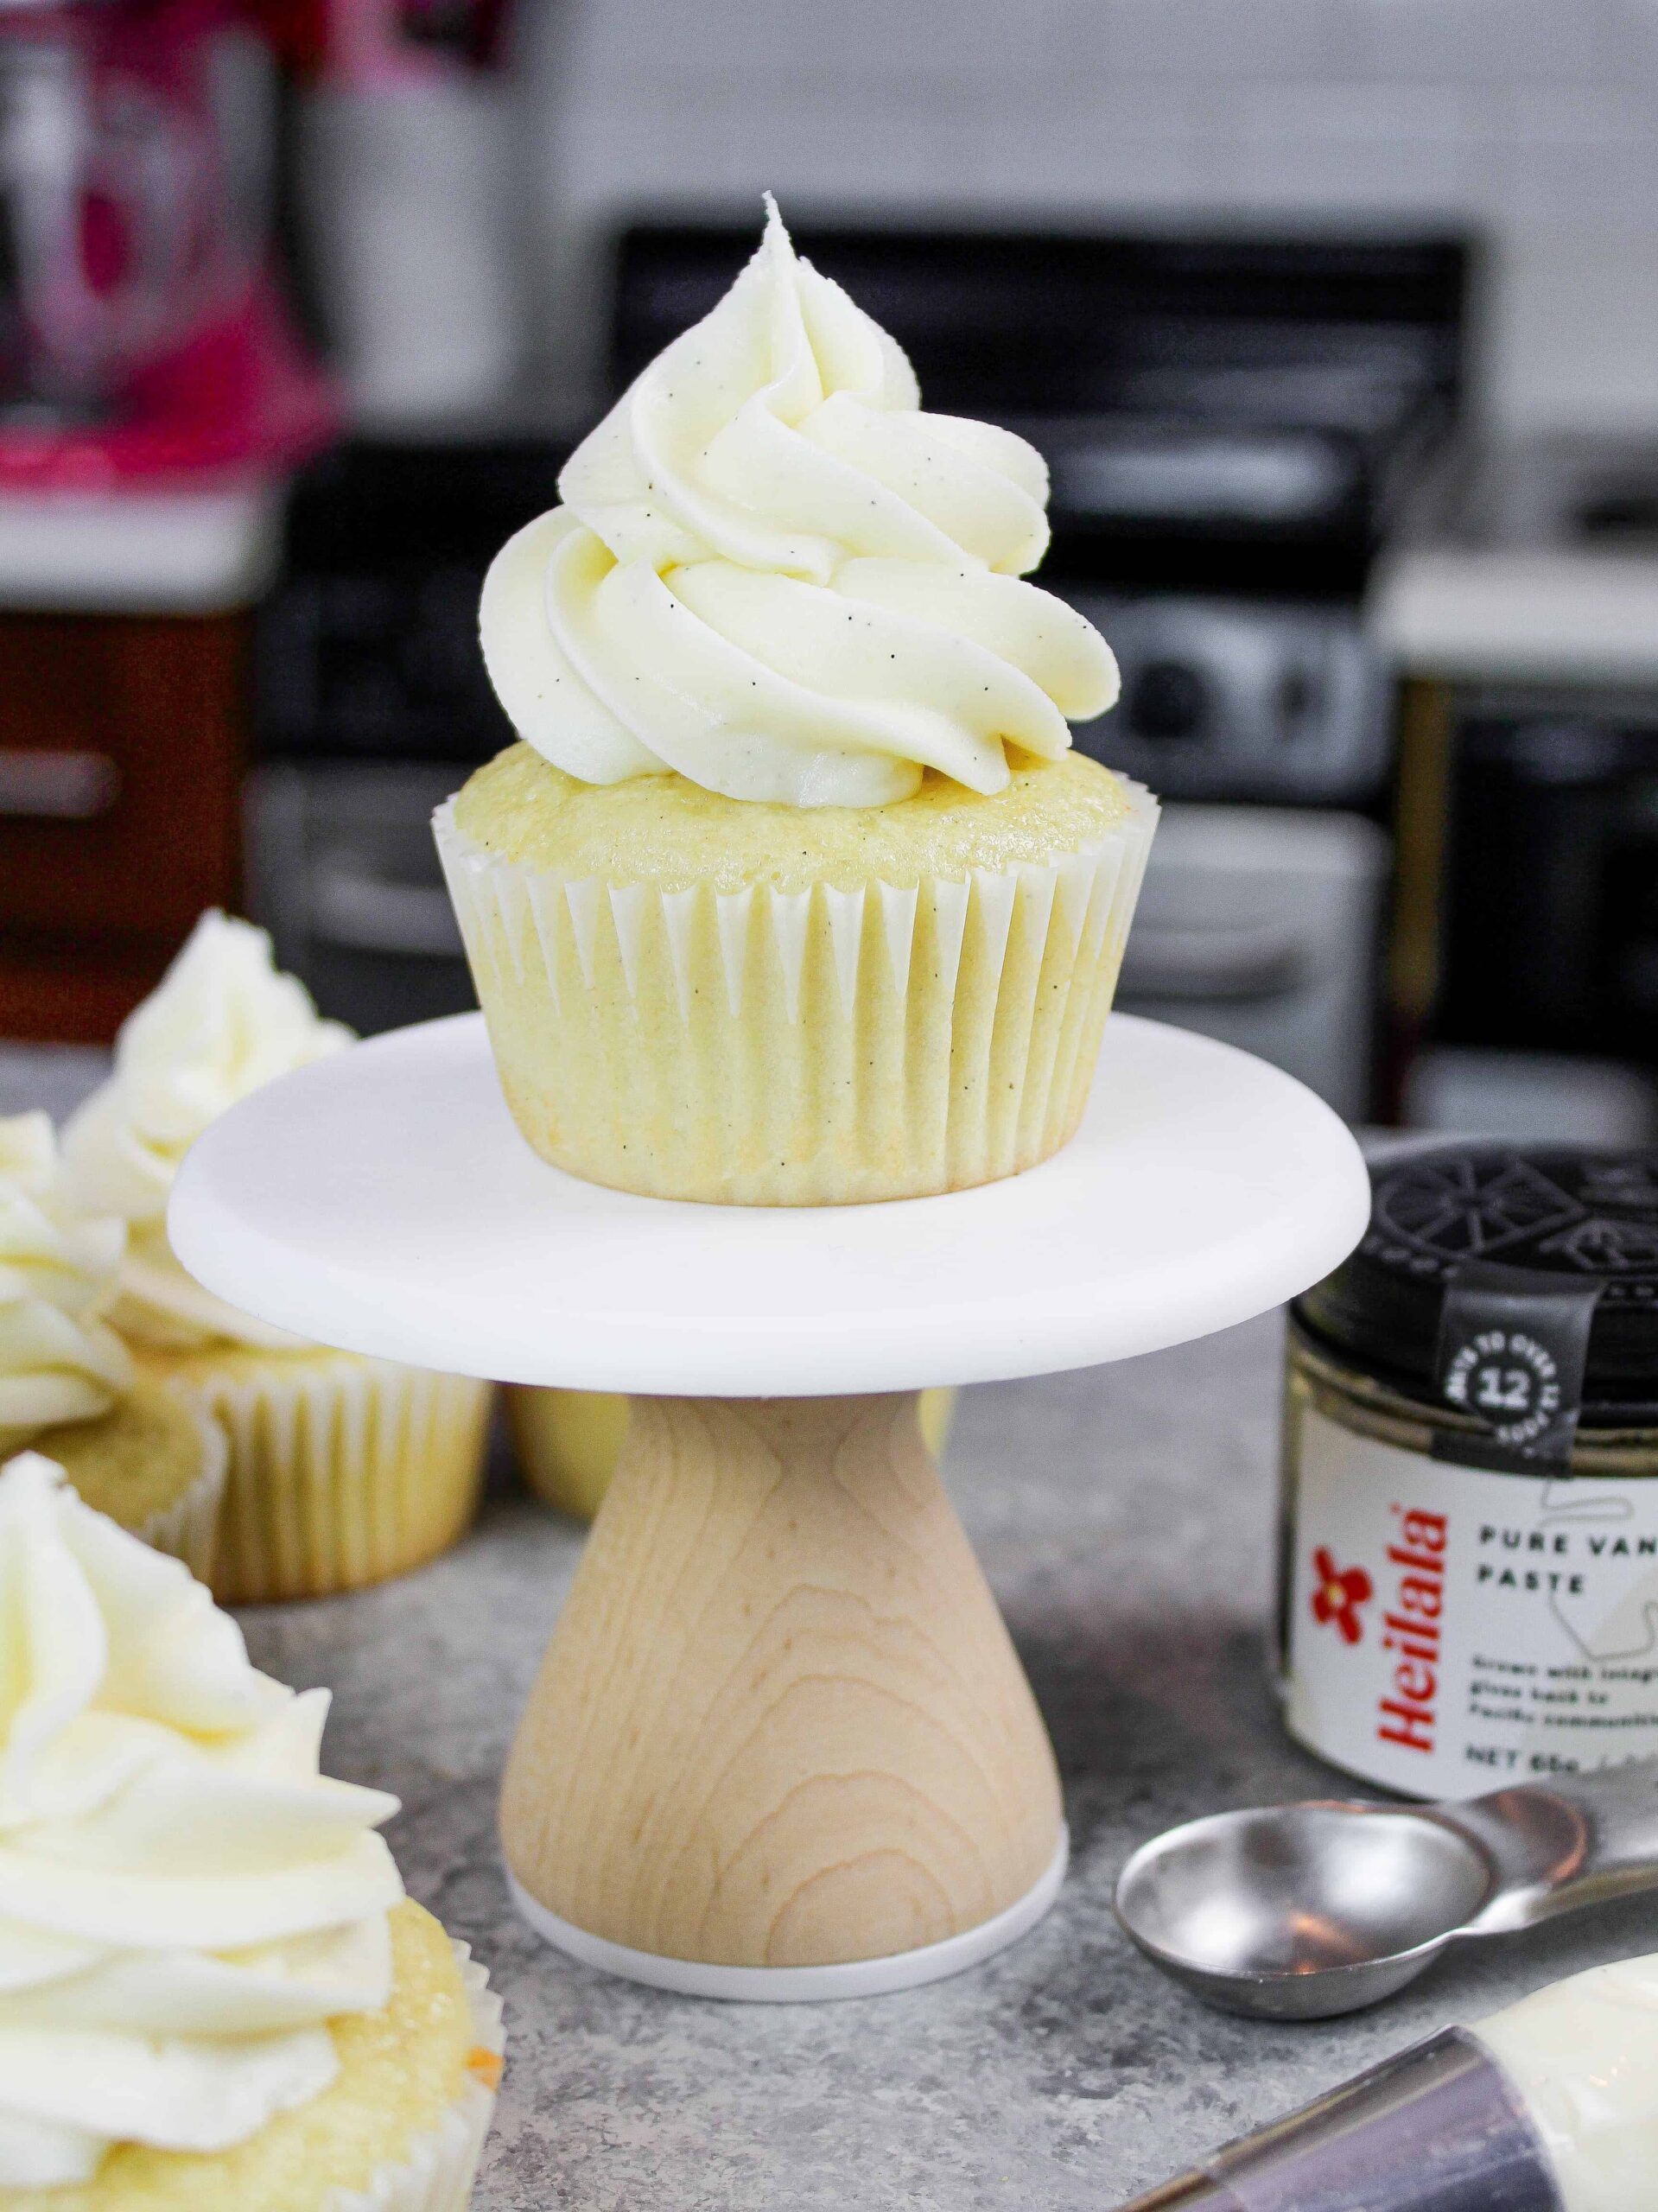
x=214 y=1996
x=343 y=1468
x=794 y=893
x=67 y=1380
x=566 y=1442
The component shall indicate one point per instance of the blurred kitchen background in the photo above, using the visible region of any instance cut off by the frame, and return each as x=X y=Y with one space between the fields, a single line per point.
x=1337 y=320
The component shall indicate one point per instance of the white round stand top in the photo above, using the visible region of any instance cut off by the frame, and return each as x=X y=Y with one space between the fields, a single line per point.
x=383 y=1201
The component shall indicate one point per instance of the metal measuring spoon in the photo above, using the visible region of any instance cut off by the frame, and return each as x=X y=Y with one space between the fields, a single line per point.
x=1296 y=1912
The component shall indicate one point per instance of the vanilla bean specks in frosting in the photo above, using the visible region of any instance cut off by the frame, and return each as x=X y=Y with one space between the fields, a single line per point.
x=185 y=1900
x=60 y=1361
x=222 y=1022
x=773 y=572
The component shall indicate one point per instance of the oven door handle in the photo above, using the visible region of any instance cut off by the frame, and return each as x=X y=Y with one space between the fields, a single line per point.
x=1169 y=961
x=365 y=912
x=43 y=786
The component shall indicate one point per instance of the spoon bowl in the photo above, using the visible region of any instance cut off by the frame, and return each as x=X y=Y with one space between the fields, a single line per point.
x=1301 y=1911
x=1297 y=1912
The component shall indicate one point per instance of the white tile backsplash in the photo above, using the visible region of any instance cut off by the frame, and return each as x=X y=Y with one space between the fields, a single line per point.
x=1528 y=120
x=1574 y=336
x=855 y=42
x=1092 y=151
x=1222 y=38
x=1491 y=42
x=1606 y=184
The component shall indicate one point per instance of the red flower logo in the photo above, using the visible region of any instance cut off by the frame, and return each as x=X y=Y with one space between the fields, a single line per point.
x=1340 y=1593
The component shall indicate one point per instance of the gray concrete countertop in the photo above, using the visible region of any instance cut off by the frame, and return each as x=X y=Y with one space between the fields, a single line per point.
x=1124 y=1516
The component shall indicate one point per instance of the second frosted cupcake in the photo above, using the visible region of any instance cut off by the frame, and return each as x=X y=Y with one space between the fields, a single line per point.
x=795 y=893
x=343 y=1469
x=135 y=1451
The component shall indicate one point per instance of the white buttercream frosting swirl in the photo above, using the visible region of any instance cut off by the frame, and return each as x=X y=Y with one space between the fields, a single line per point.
x=185 y=1900
x=60 y=1360
x=223 y=1021
x=774 y=574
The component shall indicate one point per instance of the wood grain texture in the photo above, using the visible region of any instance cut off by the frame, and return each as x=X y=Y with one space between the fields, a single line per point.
x=780 y=1722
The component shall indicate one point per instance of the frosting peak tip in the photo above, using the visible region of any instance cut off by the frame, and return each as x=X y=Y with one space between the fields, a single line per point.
x=29 y=1475
x=778 y=577
x=223 y=1021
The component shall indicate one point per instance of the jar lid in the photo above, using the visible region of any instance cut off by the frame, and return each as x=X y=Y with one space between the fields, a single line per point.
x=1563 y=1212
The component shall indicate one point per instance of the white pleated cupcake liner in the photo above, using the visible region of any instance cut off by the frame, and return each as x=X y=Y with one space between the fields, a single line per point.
x=1093 y=888
x=437 y=2172
x=188 y=1528
x=343 y=1471
x=878 y=1053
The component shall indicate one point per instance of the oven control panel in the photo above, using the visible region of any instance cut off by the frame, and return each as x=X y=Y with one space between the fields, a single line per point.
x=1234 y=699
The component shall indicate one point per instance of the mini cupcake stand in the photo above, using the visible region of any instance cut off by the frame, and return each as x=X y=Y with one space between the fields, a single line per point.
x=781 y=1745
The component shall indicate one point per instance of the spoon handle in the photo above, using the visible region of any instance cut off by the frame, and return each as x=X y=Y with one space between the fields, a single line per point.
x=1578 y=1839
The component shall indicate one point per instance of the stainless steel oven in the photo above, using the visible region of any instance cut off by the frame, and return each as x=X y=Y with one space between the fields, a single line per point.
x=1550 y=918
x=1531 y=882
x=370 y=705
x=343 y=874
x=1230 y=425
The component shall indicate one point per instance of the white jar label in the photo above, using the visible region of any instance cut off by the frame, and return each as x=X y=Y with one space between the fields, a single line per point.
x=1451 y=1629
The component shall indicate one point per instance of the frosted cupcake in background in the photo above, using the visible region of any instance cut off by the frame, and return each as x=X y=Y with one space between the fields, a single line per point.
x=794 y=892
x=214 y=1996
x=343 y=1469
x=67 y=1380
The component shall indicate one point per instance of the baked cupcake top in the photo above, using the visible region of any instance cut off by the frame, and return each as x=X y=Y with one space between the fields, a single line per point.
x=671 y=834
x=222 y=1021
x=773 y=574
x=185 y=1900
x=60 y=1360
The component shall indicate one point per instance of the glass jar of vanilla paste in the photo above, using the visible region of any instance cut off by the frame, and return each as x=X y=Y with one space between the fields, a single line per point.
x=1468 y=1591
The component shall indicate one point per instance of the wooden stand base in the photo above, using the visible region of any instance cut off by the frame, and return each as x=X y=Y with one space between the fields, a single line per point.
x=780 y=1722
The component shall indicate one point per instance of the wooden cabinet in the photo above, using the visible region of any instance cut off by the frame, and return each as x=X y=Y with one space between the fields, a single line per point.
x=123 y=747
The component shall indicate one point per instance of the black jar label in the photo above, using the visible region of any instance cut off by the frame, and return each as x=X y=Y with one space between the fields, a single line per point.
x=1513 y=1347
